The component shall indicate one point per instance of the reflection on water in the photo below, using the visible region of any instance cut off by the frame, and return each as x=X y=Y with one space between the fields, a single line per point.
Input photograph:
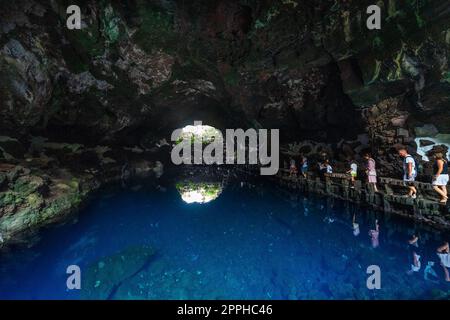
x=255 y=243
x=199 y=192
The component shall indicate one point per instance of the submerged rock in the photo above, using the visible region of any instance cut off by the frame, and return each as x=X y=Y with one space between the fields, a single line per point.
x=104 y=277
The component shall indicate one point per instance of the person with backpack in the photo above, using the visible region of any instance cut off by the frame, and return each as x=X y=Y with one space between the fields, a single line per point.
x=440 y=176
x=409 y=171
x=304 y=168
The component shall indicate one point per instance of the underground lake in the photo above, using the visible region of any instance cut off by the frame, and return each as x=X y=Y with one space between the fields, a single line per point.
x=211 y=240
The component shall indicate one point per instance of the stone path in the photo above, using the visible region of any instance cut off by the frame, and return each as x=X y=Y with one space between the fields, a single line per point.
x=390 y=197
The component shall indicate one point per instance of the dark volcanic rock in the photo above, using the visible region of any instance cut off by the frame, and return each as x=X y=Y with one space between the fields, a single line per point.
x=11 y=147
x=303 y=67
x=425 y=143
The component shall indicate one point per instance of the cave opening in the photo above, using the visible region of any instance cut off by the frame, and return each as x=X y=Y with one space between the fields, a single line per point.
x=199 y=132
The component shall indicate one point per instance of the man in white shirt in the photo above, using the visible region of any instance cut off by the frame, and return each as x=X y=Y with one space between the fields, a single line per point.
x=328 y=166
x=409 y=171
x=353 y=172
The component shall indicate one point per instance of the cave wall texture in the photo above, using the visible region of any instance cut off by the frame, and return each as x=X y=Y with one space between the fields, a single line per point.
x=143 y=68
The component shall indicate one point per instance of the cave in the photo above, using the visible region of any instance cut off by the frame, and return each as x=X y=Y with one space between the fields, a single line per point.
x=358 y=121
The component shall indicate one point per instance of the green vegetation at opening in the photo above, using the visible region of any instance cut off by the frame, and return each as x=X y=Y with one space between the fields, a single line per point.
x=198 y=192
x=199 y=133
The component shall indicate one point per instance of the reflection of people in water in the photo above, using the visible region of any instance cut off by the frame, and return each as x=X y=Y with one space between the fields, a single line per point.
x=329 y=211
x=305 y=207
x=373 y=234
x=429 y=274
x=329 y=219
x=443 y=253
x=414 y=254
x=355 y=226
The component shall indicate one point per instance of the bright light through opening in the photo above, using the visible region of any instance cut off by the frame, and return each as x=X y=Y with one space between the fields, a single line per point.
x=195 y=192
x=203 y=133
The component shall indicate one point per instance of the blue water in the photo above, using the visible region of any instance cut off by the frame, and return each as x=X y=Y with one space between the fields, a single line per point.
x=256 y=243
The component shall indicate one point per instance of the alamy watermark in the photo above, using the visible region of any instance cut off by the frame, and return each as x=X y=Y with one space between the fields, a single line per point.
x=374 y=279
x=74 y=20
x=373 y=22
x=73 y=281
x=237 y=151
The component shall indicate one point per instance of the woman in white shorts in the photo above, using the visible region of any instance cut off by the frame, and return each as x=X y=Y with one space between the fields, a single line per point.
x=440 y=176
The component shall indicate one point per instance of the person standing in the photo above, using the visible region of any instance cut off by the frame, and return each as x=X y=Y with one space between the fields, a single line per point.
x=371 y=171
x=304 y=168
x=292 y=169
x=353 y=172
x=409 y=171
x=440 y=176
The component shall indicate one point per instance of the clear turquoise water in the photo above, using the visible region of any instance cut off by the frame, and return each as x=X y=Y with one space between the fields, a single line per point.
x=247 y=244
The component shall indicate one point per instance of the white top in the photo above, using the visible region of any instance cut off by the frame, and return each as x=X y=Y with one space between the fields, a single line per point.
x=356 y=229
x=354 y=167
x=409 y=159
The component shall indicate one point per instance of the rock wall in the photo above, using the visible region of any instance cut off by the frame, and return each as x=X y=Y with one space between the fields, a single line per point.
x=303 y=66
x=306 y=67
